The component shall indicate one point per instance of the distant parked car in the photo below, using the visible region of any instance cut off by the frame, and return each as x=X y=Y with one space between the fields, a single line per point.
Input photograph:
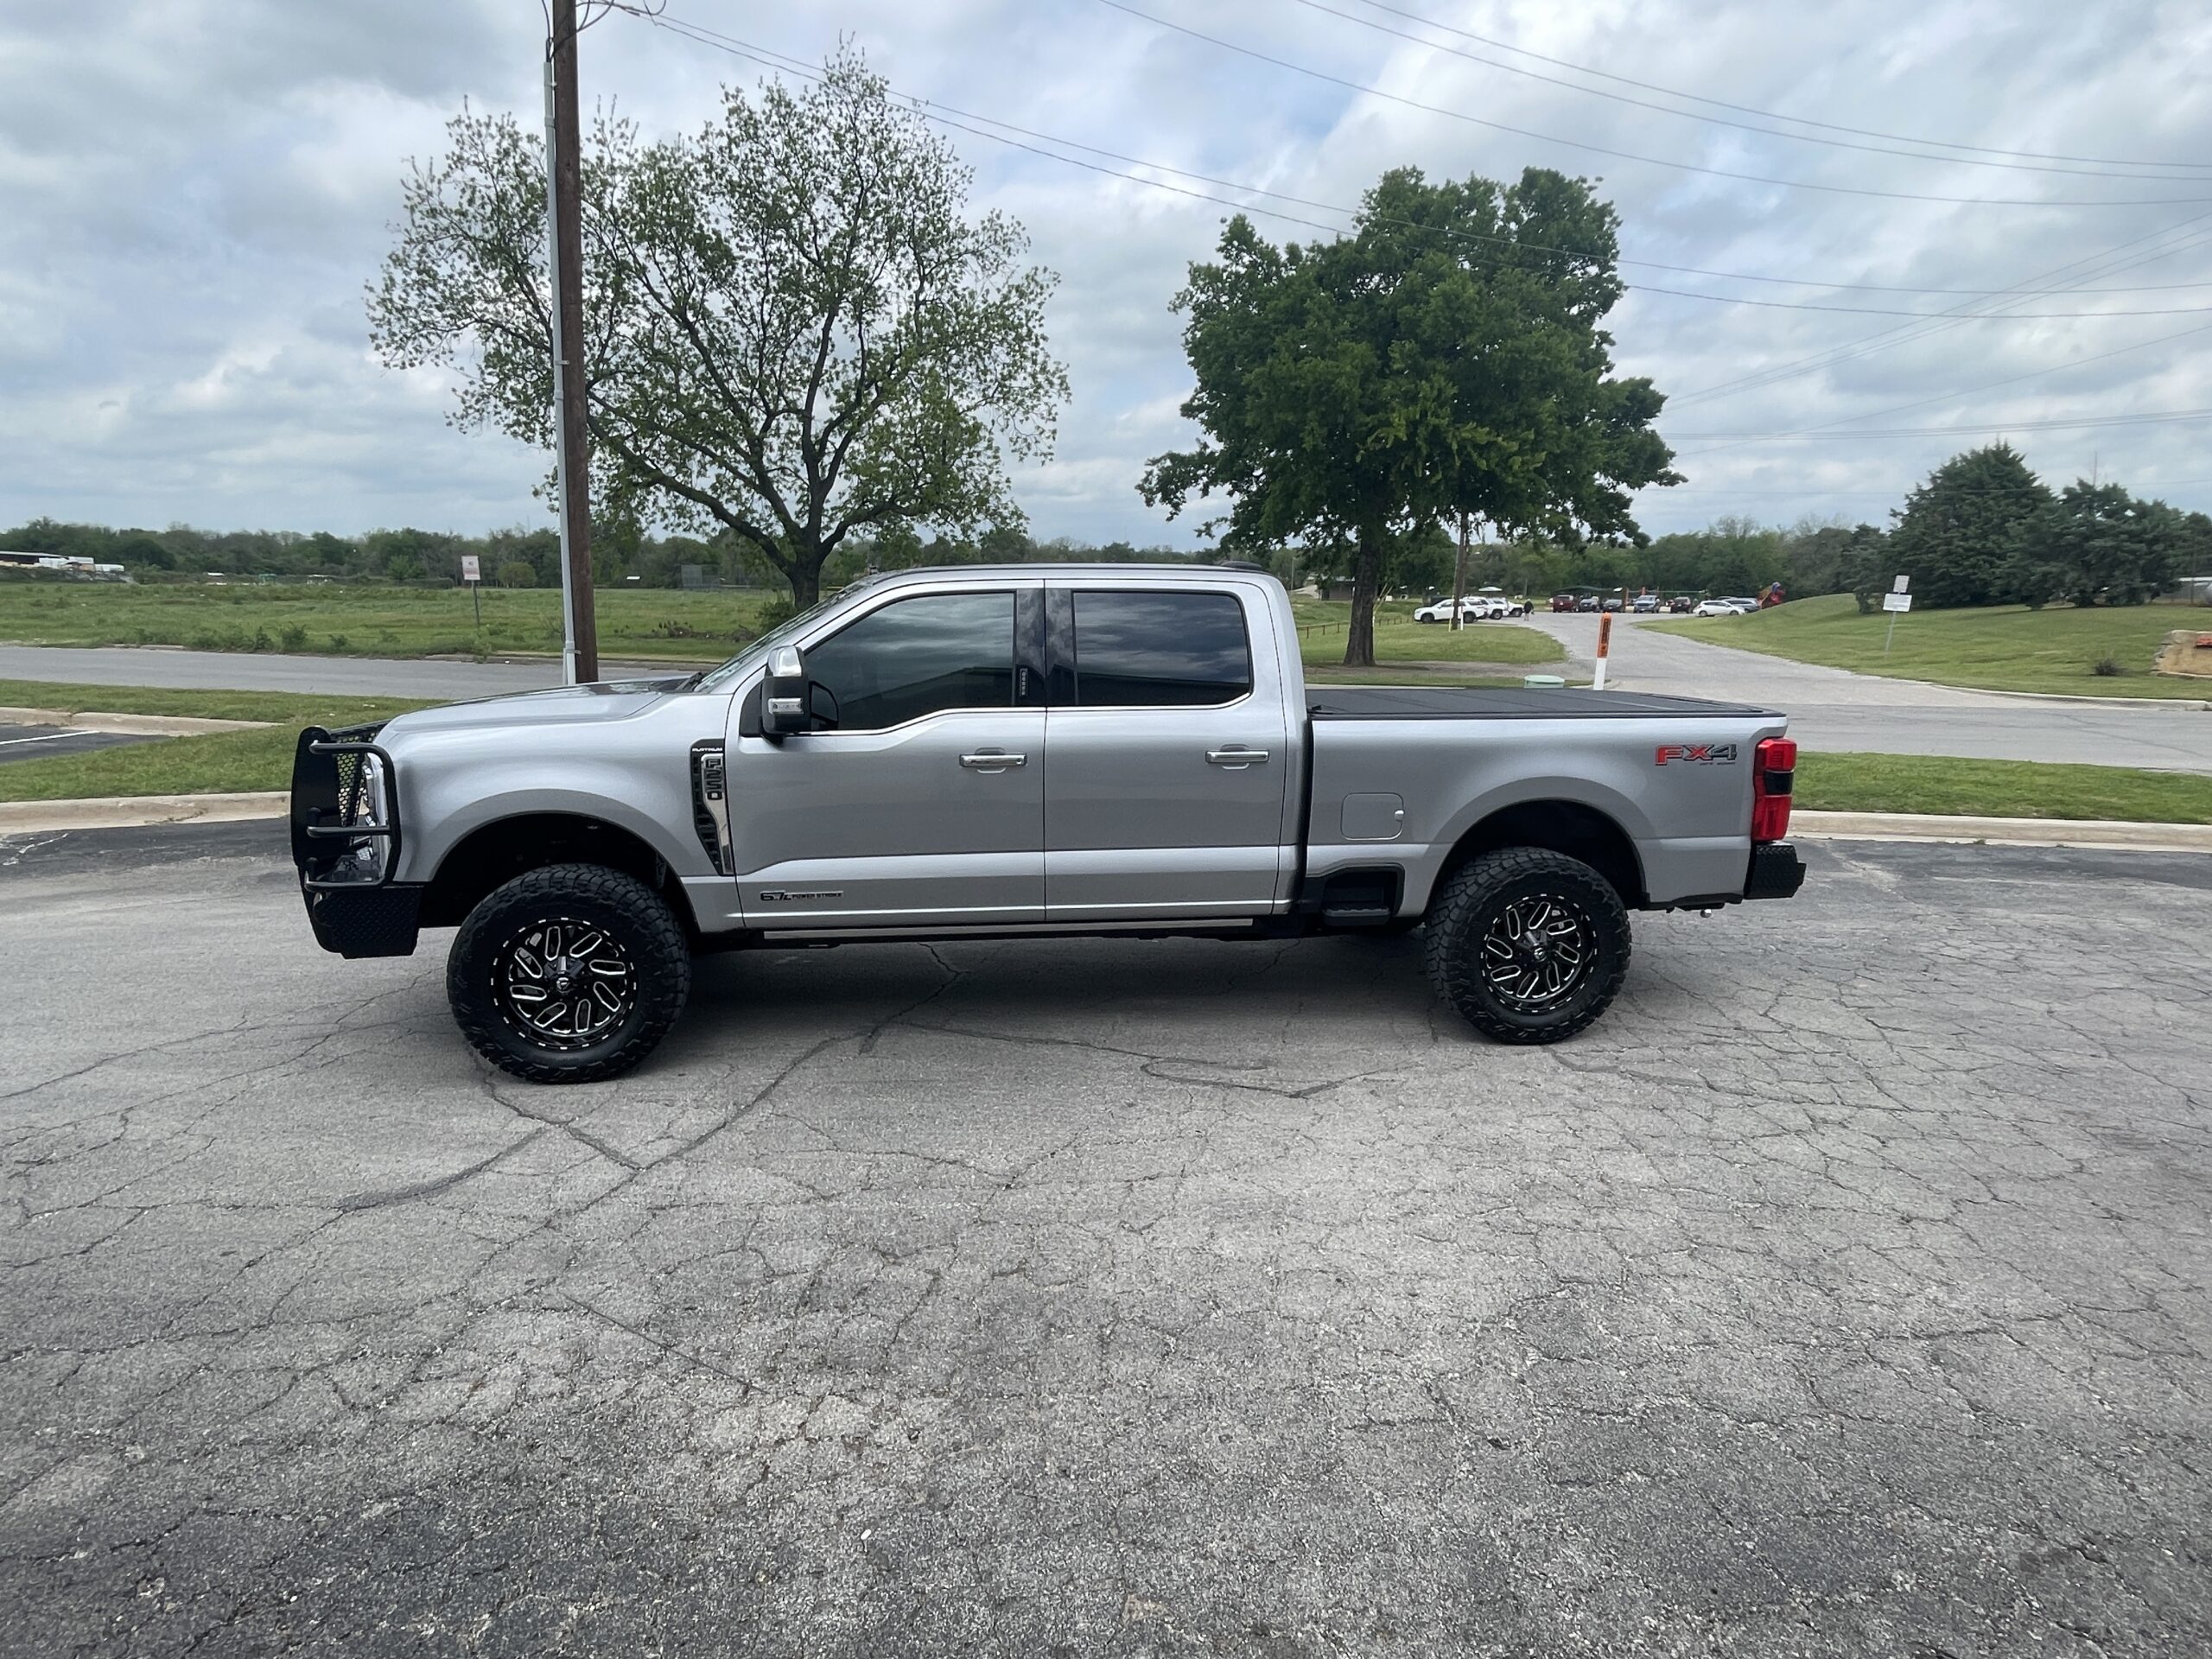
x=1743 y=607
x=1439 y=610
x=1589 y=602
x=1564 y=602
x=1718 y=607
x=1646 y=604
x=1613 y=605
x=1681 y=604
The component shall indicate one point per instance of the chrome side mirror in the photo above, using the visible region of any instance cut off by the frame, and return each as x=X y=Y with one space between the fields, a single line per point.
x=783 y=695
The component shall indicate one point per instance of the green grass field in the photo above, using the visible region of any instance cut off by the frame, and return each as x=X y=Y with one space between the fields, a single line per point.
x=634 y=623
x=1487 y=647
x=1998 y=789
x=2001 y=648
x=338 y=621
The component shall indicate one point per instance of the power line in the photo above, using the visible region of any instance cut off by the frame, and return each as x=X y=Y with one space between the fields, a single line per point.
x=1717 y=120
x=1630 y=155
x=943 y=115
x=2096 y=265
x=1969 y=391
x=1769 y=115
x=2160 y=417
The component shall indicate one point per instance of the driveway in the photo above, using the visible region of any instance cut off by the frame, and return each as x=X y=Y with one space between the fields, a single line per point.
x=1835 y=709
x=1843 y=1292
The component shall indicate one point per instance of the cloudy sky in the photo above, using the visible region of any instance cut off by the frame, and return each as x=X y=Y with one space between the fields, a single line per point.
x=195 y=192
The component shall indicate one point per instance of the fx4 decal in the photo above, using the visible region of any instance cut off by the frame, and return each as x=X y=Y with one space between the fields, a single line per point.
x=1695 y=754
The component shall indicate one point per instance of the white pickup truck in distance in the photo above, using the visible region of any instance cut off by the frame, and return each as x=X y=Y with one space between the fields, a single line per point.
x=1024 y=750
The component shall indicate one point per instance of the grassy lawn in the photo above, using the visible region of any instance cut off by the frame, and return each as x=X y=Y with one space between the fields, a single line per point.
x=338 y=621
x=1998 y=789
x=1398 y=639
x=231 y=763
x=2002 y=647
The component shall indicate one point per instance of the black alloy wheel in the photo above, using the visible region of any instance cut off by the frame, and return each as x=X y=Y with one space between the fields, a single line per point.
x=1530 y=945
x=569 y=974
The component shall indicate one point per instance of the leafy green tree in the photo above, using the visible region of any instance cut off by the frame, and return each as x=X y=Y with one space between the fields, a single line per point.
x=2101 y=543
x=1959 y=532
x=1446 y=357
x=144 y=552
x=517 y=573
x=793 y=331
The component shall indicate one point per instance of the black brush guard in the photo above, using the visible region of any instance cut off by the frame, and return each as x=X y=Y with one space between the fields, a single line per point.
x=357 y=913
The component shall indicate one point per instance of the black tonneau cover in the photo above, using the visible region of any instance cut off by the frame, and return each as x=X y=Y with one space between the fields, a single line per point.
x=1509 y=703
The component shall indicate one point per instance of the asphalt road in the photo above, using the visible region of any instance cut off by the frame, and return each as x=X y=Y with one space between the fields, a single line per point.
x=1834 y=709
x=1843 y=1292
x=38 y=742
x=1829 y=709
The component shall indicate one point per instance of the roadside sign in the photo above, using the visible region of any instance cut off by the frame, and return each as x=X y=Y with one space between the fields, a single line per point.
x=1899 y=600
x=1901 y=584
x=471 y=569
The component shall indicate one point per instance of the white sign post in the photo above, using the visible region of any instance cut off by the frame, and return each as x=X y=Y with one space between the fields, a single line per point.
x=472 y=572
x=1897 y=601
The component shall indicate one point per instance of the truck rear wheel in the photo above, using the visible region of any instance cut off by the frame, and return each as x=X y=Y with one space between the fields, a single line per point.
x=569 y=974
x=1528 y=945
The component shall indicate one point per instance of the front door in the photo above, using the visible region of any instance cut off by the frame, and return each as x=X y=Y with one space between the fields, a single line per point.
x=919 y=801
x=1170 y=756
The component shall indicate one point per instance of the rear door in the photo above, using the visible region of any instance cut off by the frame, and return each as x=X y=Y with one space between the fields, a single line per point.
x=1170 y=753
x=920 y=802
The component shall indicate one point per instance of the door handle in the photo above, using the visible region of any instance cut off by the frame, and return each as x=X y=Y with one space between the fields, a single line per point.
x=1236 y=757
x=993 y=761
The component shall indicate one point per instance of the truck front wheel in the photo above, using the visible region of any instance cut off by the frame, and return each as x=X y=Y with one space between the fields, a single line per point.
x=569 y=973
x=1528 y=945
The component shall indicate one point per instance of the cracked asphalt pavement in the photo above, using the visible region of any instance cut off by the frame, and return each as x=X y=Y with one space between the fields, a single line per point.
x=1843 y=1291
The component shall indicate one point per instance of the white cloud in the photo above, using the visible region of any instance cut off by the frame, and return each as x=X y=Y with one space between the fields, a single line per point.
x=195 y=194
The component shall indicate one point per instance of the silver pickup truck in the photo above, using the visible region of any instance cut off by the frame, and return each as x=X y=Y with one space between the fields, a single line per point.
x=1013 y=751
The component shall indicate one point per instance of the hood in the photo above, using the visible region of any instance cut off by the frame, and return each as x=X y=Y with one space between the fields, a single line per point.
x=570 y=705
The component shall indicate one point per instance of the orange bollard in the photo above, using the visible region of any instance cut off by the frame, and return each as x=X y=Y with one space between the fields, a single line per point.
x=1604 y=645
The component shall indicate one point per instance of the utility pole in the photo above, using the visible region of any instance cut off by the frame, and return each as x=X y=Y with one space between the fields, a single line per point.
x=1460 y=573
x=565 y=229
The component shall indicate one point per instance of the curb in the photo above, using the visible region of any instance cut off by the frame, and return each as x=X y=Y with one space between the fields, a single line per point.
x=1809 y=825
x=2189 y=705
x=130 y=725
x=137 y=811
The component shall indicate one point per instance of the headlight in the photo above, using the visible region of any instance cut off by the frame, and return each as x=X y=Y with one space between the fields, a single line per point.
x=365 y=799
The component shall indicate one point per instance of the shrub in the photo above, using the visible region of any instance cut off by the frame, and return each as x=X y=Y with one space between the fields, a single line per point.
x=517 y=573
x=2105 y=668
x=262 y=641
x=338 y=642
x=294 y=636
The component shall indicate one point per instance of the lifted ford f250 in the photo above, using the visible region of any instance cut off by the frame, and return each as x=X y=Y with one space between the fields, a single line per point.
x=1000 y=752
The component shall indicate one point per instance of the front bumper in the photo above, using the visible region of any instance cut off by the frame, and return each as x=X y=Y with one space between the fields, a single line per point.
x=1776 y=872
x=365 y=921
x=346 y=839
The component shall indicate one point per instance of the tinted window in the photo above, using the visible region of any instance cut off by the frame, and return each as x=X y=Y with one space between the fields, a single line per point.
x=1159 y=650
x=915 y=657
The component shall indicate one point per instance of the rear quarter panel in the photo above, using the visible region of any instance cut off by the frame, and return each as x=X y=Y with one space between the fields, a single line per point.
x=1687 y=814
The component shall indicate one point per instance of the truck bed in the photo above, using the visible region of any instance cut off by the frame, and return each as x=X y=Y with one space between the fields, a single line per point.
x=1509 y=703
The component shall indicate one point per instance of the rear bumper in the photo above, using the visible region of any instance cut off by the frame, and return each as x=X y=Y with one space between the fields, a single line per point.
x=365 y=921
x=1776 y=872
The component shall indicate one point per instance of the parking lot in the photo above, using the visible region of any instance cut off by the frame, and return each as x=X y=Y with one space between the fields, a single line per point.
x=1843 y=1291
x=42 y=742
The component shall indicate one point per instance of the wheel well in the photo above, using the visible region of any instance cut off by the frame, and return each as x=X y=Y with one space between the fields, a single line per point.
x=494 y=854
x=1566 y=827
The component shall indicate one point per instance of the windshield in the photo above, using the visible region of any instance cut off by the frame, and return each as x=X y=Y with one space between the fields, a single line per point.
x=736 y=667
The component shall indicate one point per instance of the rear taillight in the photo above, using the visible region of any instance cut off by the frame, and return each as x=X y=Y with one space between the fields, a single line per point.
x=1772 y=780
